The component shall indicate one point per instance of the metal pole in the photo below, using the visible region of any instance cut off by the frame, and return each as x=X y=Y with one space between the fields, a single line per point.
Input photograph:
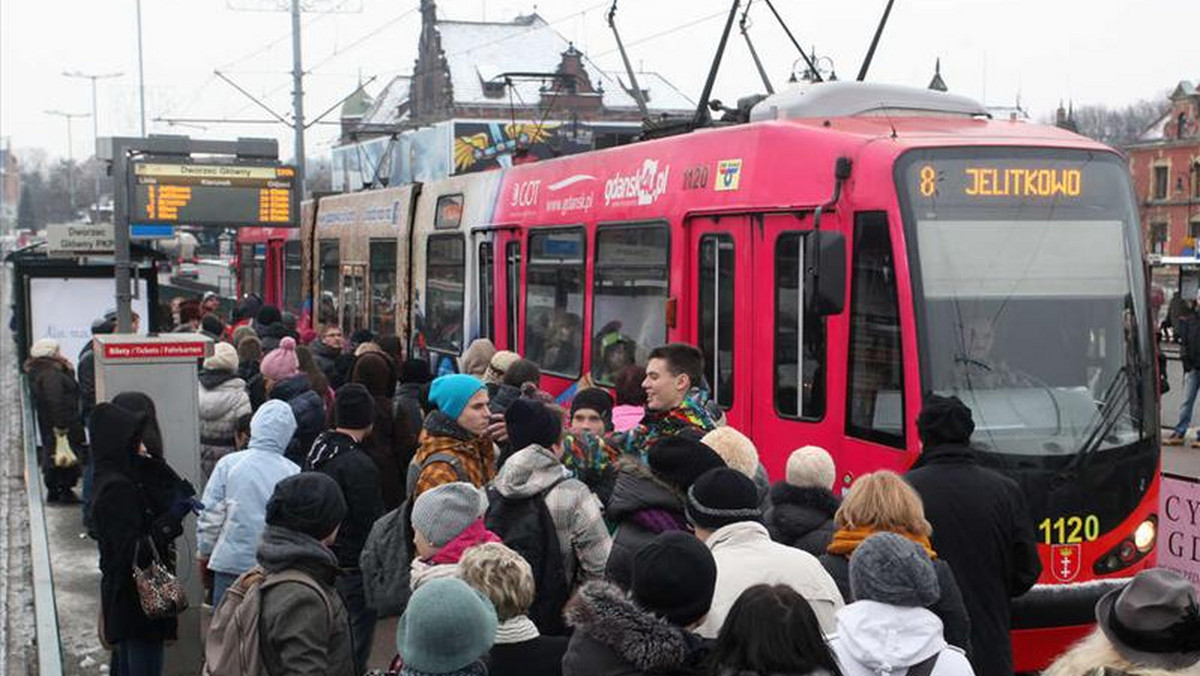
x=70 y=166
x=121 y=256
x=298 y=104
x=141 y=73
x=95 y=78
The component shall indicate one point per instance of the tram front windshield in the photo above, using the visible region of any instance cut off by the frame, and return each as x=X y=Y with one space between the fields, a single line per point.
x=1031 y=299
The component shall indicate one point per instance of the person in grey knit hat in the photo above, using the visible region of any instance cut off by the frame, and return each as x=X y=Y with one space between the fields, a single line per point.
x=447 y=520
x=893 y=570
x=446 y=629
x=889 y=629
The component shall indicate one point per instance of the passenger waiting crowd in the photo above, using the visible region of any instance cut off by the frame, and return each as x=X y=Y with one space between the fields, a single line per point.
x=480 y=526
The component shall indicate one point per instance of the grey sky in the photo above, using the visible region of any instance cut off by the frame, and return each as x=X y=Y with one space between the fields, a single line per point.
x=1097 y=51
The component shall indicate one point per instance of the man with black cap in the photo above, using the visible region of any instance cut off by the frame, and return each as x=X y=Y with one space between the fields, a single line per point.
x=722 y=505
x=650 y=629
x=981 y=528
x=339 y=454
x=591 y=412
x=650 y=498
x=303 y=629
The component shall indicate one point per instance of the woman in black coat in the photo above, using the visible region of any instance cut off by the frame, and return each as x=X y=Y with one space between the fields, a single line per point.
x=56 y=401
x=127 y=522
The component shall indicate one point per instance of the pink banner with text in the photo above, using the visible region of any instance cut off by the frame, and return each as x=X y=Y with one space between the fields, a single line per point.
x=1179 y=527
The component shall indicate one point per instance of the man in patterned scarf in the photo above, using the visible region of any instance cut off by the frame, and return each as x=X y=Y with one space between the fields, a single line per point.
x=674 y=376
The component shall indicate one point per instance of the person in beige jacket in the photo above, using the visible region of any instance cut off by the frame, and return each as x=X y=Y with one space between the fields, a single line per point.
x=723 y=506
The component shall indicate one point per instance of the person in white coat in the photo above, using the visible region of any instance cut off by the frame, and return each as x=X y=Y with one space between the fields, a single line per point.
x=235 y=499
x=722 y=505
x=223 y=399
x=889 y=630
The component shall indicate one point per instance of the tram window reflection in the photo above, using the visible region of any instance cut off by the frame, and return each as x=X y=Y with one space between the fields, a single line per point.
x=554 y=301
x=629 y=297
x=445 y=279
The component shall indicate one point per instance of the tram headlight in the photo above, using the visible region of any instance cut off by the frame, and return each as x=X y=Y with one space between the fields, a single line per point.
x=1144 y=536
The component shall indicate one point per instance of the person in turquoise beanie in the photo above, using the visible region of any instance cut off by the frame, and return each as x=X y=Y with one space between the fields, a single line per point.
x=446 y=629
x=454 y=443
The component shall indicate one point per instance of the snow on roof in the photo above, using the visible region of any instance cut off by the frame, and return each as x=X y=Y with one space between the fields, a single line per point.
x=386 y=109
x=477 y=52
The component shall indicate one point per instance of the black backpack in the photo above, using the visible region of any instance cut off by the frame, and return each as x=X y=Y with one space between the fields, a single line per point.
x=525 y=526
x=389 y=547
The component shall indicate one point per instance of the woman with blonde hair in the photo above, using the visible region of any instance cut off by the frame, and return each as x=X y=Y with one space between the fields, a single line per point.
x=506 y=579
x=882 y=502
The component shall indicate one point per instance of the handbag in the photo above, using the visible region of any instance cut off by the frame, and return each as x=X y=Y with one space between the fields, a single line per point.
x=159 y=592
x=64 y=457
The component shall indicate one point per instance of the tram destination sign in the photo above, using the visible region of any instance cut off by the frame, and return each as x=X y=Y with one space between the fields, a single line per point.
x=229 y=195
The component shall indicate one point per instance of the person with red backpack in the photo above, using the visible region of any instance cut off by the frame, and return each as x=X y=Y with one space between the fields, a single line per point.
x=284 y=616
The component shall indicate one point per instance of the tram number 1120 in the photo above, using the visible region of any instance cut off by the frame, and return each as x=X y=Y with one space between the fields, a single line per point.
x=1069 y=529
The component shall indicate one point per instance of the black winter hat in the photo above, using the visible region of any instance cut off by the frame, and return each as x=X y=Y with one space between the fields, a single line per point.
x=354 y=407
x=679 y=461
x=674 y=576
x=944 y=420
x=597 y=400
x=212 y=324
x=720 y=497
x=532 y=422
x=309 y=503
x=268 y=314
x=415 y=371
x=362 y=336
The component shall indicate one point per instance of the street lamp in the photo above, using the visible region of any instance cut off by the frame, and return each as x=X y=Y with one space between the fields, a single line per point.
x=70 y=152
x=95 y=118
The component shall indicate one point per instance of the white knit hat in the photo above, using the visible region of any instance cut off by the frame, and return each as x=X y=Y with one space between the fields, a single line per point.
x=224 y=358
x=44 y=347
x=811 y=466
x=735 y=449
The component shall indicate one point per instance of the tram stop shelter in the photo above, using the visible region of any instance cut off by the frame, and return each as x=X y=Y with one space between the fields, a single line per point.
x=60 y=297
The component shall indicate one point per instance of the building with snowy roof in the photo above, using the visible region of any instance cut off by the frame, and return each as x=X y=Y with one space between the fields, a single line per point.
x=484 y=95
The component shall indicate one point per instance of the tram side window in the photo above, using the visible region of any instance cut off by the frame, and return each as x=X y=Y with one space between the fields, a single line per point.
x=875 y=390
x=383 y=286
x=554 y=301
x=512 y=276
x=253 y=263
x=292 y=293
x=717 y=314
x=629 y=297
x=799 y=336
x=331 y=268
x=445 y=280
x=487 y=269
x=353 y=299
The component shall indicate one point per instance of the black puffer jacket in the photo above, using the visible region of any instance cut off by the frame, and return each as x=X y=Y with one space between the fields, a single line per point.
x=56 y=399
x=126 y=511
x=338 y=456
x=309 y=409
x=641 y=507
x=801 y=516
x=334 y=363
x=982 y=528
x=956 y=623
x=614 y=637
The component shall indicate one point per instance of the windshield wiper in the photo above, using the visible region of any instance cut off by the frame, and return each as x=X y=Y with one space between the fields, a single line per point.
x=1112 y=407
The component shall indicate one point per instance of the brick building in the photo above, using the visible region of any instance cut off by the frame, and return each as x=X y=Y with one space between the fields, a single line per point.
x=489 y=94
x=1165 y=165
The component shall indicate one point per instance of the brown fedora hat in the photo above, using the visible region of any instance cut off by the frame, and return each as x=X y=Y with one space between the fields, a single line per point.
x=1153 y=621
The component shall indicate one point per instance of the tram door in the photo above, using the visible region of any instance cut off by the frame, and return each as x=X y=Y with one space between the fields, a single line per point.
x=721 y=312
x=272 y=282
x=354 y=298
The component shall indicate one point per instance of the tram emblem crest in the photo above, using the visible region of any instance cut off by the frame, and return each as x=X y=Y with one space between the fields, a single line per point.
x=1065 y=562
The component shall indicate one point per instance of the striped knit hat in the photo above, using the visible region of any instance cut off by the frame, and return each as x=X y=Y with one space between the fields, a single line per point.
x=720 y=497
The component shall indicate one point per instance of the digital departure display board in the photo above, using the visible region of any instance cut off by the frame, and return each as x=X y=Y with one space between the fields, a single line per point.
x=212 y=194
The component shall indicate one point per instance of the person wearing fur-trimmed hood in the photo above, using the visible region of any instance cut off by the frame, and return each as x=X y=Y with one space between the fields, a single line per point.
x=649 y=630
